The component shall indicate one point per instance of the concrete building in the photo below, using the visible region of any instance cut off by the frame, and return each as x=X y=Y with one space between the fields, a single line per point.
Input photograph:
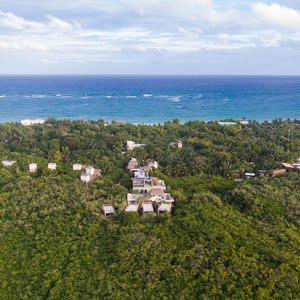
x=32 y=168
x=8 y=163
x=52 y=166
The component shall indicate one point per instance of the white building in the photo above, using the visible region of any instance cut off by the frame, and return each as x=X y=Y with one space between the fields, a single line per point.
x=29 y=122
x=32 y=168
x=176 y=144
x=147 y=208
x=250 y=175
x=165 y=207
x=132 y=208
x=77 y=167
x=52 y=166
x=86 y=178
x=152 y=163
x=90 y=170
x=8 y=163
x=131 y=145
x=108 y=210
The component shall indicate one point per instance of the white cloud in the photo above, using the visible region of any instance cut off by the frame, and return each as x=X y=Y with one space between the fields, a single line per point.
x=57 y=23
x=11 y=21
x=277 y=15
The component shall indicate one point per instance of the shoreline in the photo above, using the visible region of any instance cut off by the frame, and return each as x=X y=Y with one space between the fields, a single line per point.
x=222 y=122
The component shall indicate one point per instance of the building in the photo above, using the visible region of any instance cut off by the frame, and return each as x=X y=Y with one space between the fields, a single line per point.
x=86 y=178
x=52 y=166
x=133 y=164
x=250 y=175
x=152 y=163
x=29 y=122
x=288 y=166
x=90 y=170
x=77 y=167
x=8 y=163
x=277 y=172
x=132 y=208
x=147 y=208
x=108 y=210
x=32 y=168
x=165 y=207
x=131 y=145
x=244 y=122
x=143 y=183
x=90 y=174
x=176 y=144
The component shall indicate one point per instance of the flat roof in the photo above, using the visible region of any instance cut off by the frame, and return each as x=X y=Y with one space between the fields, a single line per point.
x=165 y=207
x=108 y=209
x=147 y=207
x=132 y=208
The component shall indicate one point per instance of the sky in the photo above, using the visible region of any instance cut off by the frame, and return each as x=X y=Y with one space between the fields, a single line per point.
x=150 y=37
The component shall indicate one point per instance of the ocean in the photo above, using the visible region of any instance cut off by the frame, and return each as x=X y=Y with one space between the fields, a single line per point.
x=149 y=99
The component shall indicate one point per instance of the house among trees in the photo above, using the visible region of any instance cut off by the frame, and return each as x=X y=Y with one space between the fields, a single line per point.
x=90 y=174
x=277 y=172
x=147 y=208
x=52 y=166
x=133 y=207
x=165 y=207
x=132 y=164
x=288 y=167
x=77 y=167
x=176 y=144
x=108 y=210
x=153 y=164
x=32 y=168
x=131 y=145
x=8 y=163
x=250 y=175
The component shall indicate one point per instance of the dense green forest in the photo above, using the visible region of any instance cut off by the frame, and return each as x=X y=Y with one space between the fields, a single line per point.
x=225 y=239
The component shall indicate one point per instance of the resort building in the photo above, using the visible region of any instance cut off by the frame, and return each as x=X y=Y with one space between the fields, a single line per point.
x=77 y=167
x=152 y=163
x=8 y=163
x=165 y=207
x=52 y=166
x=147 y=208
x=250 y=175
x=90 y=174
x=131 y=145
x=288 y=166
x=277 y=172
x=143 y=183
x=132 y=164
x=132 y=208
x=108 y=210
x=176 y=144
x=32 y=168
x=29 y=122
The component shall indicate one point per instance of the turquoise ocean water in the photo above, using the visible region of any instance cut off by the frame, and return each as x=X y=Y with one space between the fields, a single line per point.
x=149 y=99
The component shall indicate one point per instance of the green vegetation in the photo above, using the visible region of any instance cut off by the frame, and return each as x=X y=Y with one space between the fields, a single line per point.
x=226 y=239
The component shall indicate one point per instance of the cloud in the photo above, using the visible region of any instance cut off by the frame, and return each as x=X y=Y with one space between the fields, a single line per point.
x=57 y=23
x=11 y=21
x=277 y=15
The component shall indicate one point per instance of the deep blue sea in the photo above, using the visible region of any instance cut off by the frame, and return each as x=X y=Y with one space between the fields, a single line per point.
x=149 y=99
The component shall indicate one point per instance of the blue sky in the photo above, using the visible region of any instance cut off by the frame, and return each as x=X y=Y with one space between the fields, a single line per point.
x=150 y=37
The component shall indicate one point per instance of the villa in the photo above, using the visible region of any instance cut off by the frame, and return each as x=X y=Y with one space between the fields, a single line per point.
x=277 y=172
x=165 y=207
x=52 y=166
x=77 y=167
x=132 y=208
x=152 y=163
x=8 y=163
x=131 y=145
x=147 y=208
x=132 y=164
x=90 y=174
x=108 y=210
x=250 y=175
x=32 y=168
x=176 y=144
